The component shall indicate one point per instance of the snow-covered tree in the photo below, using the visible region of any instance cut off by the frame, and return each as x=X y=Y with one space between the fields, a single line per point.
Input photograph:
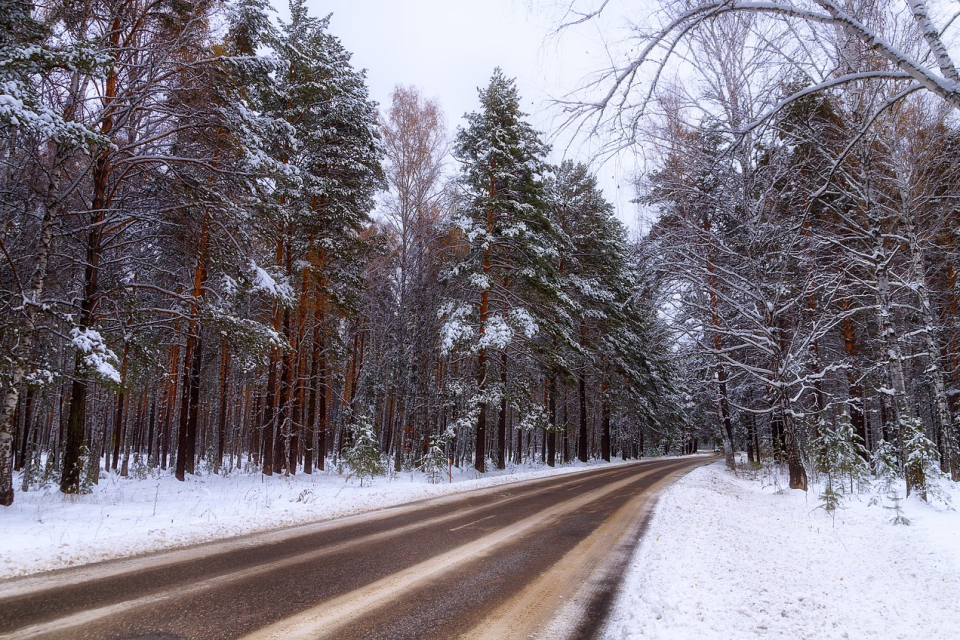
x=507 y=244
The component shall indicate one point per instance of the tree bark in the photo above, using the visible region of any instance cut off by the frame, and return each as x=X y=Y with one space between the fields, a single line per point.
x=582 y=453
x=552 y=415
x=502 y=425
x=605 y=422
x=224 y=387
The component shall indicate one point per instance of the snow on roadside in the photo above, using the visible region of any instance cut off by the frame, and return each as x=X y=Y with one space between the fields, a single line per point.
x=737 y=557
x=45 y=530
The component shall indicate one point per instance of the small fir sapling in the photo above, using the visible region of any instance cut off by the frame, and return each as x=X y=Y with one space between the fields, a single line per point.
x=894 y=497
x=920 y=458
x=210 y=460
x=139 y=468
x=435 y=462
x=839 y=456
x=52 y=469
x=885 y=463
x=363 y=456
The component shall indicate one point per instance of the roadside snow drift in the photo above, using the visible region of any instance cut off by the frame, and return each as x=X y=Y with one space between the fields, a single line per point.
x=46 y=530
x=739 y=557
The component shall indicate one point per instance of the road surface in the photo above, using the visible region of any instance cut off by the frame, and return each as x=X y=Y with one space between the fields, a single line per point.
x=535 y=559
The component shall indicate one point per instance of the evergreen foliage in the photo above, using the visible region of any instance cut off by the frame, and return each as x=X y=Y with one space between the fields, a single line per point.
x=362 y=457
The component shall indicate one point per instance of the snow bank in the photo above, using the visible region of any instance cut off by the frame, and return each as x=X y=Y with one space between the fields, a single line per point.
x=46 y=530
x=737 y=557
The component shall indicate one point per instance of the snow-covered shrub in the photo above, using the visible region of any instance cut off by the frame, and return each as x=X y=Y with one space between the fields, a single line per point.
x=830 y=499
x=32 y=469
x=920 y=458
x=363 y=456
x=52 y=469
x=210 y=460
x=139 y=468
x=885 y=464
x=839 y=455
x=90 y=470
x=435 y=462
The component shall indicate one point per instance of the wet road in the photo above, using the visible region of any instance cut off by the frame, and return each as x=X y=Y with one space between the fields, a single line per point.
x=534 y=559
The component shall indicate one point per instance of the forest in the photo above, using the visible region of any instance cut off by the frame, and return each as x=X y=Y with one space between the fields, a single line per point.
x=220 y=255
x=194 y=278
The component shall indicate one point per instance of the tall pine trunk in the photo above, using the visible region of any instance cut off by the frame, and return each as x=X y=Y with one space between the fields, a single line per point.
x=502 y=424
x=552 y=416
x=582 y=453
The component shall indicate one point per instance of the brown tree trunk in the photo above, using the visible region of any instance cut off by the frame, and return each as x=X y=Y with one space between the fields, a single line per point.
x=224 y=387
x=322 y=421
x=480 y=458
x=266 y=445
x=151 y=431
x=77 y=416
x=552 y=416
x=121 y=400
x=189 y=406
x=798 y=475
x=502 y=425
x=605 y=422
x=582 y=453
x=27 y=423
x=281 y=454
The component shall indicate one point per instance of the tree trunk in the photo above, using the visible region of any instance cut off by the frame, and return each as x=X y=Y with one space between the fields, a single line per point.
x=582 y=453
x=190 y=407
x=281 y=453
x=224 y=387
x=502 y=425
x=27 y=424
x=51 y=210
x=798 y=475
x=605 y=422
x=76 y=422
x=121 y=401
x=311 y=421
x=943 y=418
x=480 y=458
x=266 y=445
x=552 y=415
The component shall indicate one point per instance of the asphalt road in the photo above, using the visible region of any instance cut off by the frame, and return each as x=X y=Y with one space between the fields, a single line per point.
x=533 y=559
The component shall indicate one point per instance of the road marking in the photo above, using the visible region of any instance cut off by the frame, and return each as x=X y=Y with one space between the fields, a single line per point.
x=464 y=526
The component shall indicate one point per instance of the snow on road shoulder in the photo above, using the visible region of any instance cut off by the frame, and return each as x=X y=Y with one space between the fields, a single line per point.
x=45 y=530
x=735 y=557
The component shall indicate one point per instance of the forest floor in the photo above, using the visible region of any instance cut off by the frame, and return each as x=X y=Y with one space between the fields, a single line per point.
x=742 y=556
x=46 y=530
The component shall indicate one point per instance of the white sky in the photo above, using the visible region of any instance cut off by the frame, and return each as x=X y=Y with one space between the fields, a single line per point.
x=449 y=48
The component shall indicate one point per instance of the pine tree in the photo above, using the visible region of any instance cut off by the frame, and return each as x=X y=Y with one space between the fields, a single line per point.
x=609 y=330
x=320 y=208
x=508 y=242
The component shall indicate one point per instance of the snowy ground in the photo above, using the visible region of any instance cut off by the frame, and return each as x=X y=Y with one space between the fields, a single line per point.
x=742 y=557
x=45 y=529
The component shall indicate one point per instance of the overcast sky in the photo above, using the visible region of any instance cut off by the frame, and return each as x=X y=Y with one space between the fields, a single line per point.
x=448 y=48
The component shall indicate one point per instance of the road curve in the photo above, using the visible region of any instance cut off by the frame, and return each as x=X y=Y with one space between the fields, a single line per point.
x=530 y=559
